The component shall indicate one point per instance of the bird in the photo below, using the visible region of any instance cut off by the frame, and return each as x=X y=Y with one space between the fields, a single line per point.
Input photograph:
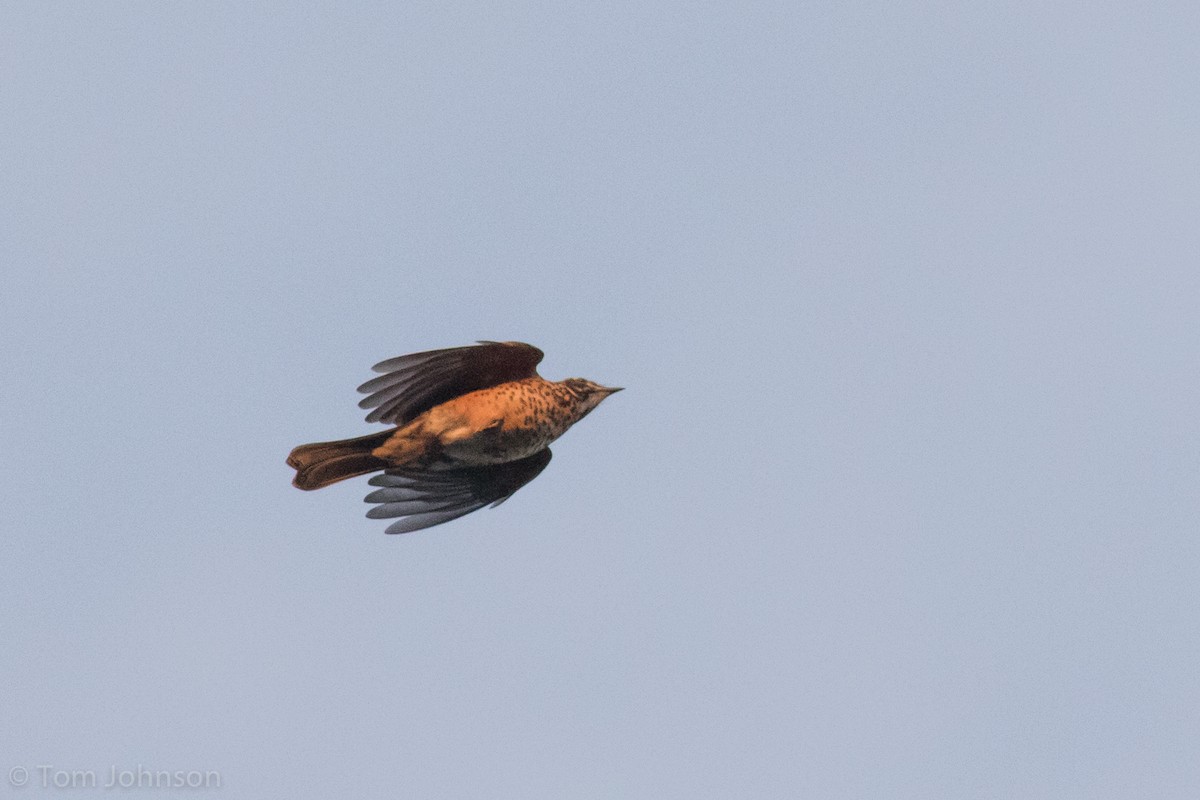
x=471 y=426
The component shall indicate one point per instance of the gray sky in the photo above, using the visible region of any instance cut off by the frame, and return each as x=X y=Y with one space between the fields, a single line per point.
x=901 y=500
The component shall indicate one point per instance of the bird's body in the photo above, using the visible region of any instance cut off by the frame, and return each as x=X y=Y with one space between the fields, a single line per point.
x=488 y=426
x=472 y=425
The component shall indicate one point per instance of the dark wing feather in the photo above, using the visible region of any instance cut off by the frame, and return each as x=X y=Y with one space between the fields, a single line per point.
x=426 y=498
x=415 y=383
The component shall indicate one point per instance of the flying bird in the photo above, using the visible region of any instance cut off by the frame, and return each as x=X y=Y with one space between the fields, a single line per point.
x=471 y=426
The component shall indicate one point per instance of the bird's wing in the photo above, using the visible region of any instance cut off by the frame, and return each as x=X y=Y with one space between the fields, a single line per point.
x=416 y=383
x=426 y=498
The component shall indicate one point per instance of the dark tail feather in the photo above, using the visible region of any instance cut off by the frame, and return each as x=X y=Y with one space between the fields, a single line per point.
x=323 y=463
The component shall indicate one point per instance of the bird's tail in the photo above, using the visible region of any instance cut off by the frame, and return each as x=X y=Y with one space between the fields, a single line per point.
x=323 y=463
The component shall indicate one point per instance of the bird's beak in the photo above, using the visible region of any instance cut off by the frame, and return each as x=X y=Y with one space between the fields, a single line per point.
x=613 y=390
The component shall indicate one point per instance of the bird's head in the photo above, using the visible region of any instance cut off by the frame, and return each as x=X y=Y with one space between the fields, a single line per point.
x=587 y=394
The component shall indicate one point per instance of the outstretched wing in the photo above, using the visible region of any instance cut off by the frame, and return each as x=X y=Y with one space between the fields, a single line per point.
x=415 y=383
x=425 y=498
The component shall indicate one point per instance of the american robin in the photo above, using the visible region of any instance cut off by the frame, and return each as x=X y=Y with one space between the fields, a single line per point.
x=473 y=425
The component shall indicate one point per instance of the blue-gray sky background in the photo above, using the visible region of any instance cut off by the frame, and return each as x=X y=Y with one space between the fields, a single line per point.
x=901 y=500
